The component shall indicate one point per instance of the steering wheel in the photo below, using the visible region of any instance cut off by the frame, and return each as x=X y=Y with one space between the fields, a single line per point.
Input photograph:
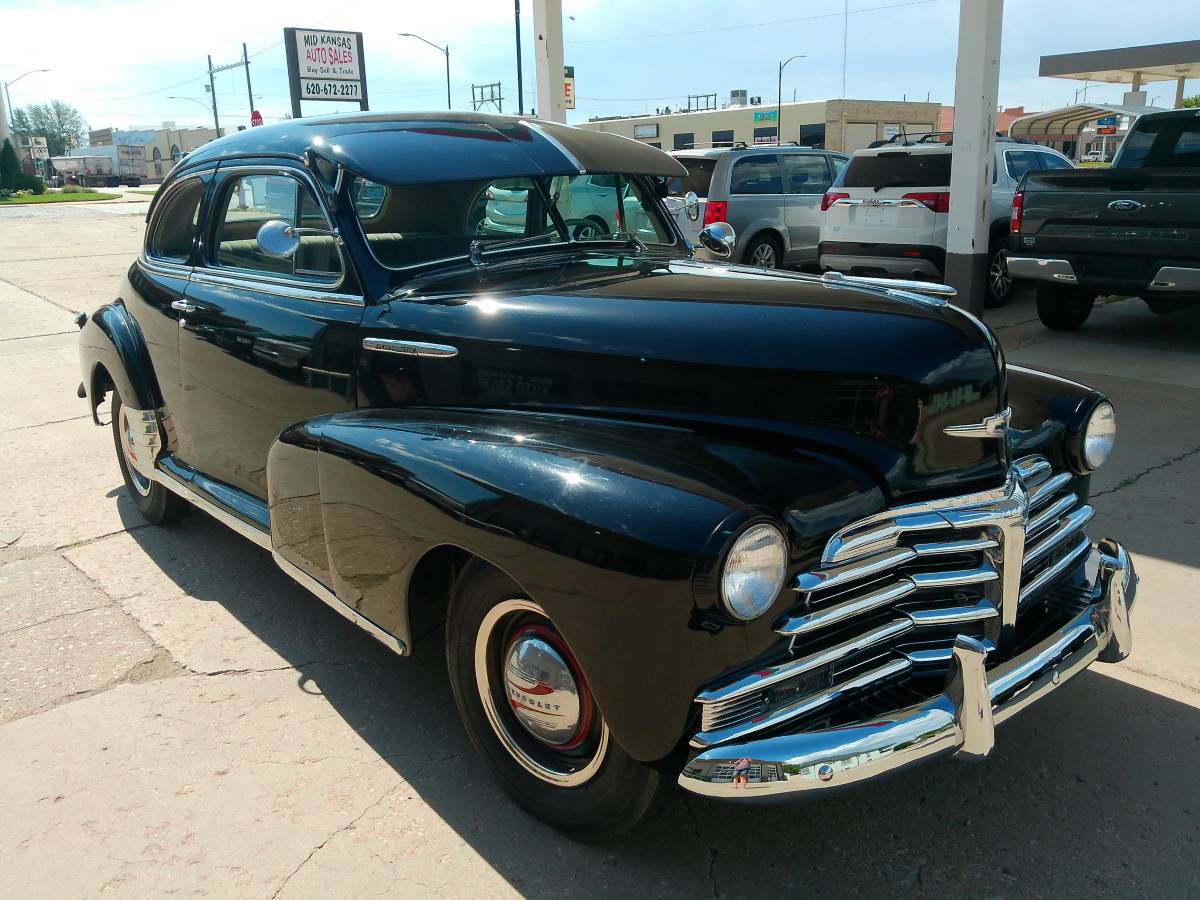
x=586 y=229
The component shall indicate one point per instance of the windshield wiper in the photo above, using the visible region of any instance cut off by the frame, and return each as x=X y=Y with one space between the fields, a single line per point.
x=479 y=247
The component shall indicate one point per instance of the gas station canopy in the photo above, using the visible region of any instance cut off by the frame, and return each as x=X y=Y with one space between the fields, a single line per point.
x=1068 y=121
x=1127 y=65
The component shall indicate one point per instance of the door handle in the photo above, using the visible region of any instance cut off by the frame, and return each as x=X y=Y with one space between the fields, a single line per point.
x=410 y=348
x=183 y=306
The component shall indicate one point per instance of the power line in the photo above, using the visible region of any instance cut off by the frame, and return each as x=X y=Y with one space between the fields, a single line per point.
x=788 y=21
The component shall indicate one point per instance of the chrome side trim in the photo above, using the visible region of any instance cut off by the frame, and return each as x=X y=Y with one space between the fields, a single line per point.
x=158 y=267
x=187 y=492
x=263 y=540
x=537 y=128
x=272 y=286
x=410 y=348
x=1031 y=269
x=330 y=599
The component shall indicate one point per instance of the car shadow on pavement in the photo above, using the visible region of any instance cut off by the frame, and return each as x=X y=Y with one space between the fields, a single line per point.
x=1093 y=791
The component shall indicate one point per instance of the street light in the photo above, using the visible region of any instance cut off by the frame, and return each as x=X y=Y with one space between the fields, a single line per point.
x=12 y=121
x=779 y=99
x=445 y=50
x=190 y=100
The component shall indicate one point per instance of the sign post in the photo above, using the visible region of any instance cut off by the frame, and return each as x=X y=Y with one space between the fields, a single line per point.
x=325 y=65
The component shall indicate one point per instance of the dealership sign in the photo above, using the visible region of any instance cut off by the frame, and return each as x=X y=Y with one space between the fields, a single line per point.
x=325 y=65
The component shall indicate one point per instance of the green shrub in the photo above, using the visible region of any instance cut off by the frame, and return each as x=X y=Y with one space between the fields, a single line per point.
x=10 y=167
x=34 y=184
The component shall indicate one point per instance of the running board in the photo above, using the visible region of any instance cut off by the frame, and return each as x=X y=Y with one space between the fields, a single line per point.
x=194 y=487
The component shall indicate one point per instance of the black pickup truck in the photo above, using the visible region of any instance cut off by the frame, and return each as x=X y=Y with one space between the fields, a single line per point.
x=1131 y=229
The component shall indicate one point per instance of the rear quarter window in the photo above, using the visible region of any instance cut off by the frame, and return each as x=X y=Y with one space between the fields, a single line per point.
x=698 y=178
x=898 y=169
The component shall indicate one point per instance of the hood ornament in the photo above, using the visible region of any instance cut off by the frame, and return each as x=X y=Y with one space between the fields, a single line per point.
x=995 y=426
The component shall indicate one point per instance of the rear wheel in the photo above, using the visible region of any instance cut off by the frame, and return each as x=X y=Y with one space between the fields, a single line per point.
x=764 y=251
x=528 y=709
x=156 y=504
x=1064 y=308
x=999 y=285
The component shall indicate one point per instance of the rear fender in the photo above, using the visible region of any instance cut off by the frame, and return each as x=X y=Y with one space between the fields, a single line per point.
x=111 y=342
x=616 y=529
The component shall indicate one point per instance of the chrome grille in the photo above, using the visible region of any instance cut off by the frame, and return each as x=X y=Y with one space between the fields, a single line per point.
x=893 y=590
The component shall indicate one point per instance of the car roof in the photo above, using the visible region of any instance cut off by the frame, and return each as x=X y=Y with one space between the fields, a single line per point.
x=713 y=152
x=418 y=148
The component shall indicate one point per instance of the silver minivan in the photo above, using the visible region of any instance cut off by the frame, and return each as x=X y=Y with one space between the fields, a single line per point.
x=771 y=195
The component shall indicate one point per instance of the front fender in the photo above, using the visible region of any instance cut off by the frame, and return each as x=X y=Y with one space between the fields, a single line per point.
x=111 y=338
x=1048 y=415
x=616 y=529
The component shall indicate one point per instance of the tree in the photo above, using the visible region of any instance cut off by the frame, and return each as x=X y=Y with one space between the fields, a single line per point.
x=11 y=176
x=1192 y=101
x=59 y=123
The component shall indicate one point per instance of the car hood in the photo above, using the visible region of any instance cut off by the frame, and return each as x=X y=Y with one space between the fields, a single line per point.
x=867 y=374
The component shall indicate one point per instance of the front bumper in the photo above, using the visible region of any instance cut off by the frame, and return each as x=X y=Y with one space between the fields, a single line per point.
x=960 y=720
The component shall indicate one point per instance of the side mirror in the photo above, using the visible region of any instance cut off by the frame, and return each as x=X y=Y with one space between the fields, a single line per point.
x=718 y=239
x=278 y=240
x=691 y=205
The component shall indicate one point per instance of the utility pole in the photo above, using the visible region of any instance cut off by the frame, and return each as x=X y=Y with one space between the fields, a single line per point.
x=845 y=42
x=212 y=90
x=548 y=57
x=249 y=91
x=976 y=89
x=520 y=86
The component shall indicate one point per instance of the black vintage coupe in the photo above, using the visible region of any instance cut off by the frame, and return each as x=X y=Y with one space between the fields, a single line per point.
x=756 y=533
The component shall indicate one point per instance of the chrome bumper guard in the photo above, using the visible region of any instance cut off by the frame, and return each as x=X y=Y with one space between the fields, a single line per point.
x=960 y=720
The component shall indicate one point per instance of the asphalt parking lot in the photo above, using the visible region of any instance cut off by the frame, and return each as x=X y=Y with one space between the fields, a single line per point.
x=178 y=717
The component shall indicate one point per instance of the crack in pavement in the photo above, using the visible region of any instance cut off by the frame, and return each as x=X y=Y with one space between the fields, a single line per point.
x=713 y=852
x=21 y=287
x=77 y=612
x=1129 y=482
x=29 y=337
x=315 y=850
x=44 y=424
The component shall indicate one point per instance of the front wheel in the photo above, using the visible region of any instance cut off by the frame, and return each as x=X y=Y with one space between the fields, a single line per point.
x=528 y=709
x=156 y=504
x=1064 y=308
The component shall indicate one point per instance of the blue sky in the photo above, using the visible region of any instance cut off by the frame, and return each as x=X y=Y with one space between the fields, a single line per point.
x=123 y=63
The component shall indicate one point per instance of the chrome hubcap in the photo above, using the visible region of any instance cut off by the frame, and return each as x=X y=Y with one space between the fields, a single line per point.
x=541 y=688
x=587 y=232
x=535 y=696
x=764 y=255
x=133 y=463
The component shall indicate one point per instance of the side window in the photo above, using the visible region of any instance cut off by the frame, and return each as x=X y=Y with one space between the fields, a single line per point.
x=756 y=175
x=838 y=163
x=1018 y=162
x=175 y=223
x=1051 y=162
x=808 y=173
x=249 y=202
x=368 y=197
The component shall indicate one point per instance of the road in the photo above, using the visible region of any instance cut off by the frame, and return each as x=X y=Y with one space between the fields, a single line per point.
x=178 y=717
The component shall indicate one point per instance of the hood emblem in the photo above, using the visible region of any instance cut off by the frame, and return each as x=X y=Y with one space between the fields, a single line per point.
x=1125 y=205
x=991 y=427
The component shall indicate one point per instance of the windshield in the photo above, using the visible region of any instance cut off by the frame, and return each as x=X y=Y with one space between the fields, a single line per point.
x=417 y=224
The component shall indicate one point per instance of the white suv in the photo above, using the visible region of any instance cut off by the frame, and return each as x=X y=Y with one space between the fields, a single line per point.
x=886 y=213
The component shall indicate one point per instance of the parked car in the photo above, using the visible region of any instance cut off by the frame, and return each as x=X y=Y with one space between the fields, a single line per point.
x=760 y=534
x=1094 y=156
x=1133 y=228
x=887 y=212
x=771 y=195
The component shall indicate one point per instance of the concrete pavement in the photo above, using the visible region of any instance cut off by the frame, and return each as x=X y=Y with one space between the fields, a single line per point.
x=178 y=717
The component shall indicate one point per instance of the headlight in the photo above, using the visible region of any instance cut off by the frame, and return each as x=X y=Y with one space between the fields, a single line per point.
x=1099 y=435
x=754 y=571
